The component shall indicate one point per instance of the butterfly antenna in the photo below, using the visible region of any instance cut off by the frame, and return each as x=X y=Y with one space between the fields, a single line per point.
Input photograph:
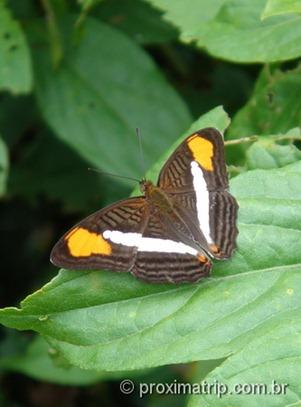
x=142 y=161
x=113 y=175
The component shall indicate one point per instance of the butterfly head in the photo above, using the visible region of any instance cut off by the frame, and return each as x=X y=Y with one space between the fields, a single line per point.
x=146 y=186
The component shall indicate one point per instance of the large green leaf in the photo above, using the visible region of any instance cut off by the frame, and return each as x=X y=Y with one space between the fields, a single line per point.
x=93 y=317
x=105 y=87
x=266 y=372
x=233 y=30
x=15 y=64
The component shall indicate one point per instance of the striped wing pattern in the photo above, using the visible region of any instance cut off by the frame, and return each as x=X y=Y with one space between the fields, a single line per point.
x=126 y=216
x=176 y=180
x=222 y=214
x=170 y=267
x=134 y=215
x=161 y=267
x=175 y=176
x=160 y=237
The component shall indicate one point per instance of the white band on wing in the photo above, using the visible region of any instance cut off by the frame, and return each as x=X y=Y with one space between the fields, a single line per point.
x=148 y=244
x=202 y=199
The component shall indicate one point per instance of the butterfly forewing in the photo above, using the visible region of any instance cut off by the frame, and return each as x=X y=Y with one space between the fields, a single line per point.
x=206 y=147
x=86 y=245
x=195 y=178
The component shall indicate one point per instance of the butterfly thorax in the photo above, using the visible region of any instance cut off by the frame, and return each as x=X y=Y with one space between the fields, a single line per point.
x=156 y=196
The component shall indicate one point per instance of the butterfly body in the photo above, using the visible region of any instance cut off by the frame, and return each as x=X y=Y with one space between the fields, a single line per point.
x=171 y=232
x=155 y=196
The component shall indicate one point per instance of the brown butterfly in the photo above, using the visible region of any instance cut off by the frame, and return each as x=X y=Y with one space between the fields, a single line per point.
x=170 y=233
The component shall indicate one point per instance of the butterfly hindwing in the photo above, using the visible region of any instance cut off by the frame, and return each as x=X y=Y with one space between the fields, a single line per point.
x=170 y=253
x=170 y=267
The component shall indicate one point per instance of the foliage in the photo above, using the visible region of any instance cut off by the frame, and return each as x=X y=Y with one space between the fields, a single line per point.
x=77 y=78
x=14 y=52
x=233 y=30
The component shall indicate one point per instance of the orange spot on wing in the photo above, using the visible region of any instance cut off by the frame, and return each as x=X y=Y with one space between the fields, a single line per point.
x=202 y=151
x=82 y=242
x=202 y=258
x=215 y=249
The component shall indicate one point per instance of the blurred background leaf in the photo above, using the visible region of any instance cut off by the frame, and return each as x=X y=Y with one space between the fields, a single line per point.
x=37 y=359
x=269 y=153
x=94 y=104
x=15 y=64
x=233 y=30
x=137 y=19
x=274 y=106
x=69 y=181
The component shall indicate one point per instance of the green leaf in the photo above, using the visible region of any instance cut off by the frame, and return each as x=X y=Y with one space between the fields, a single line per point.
x=88 y=4
x=95 y=104
x=189 y=19
x=3 y=167
x=267 y=153
x=233 y=30
x=137 y=19
x=276 y=7
x=90 y=317
x=69 y=181
x=37 y=359
x=39 y=362
x=270 y=364
x=24 y=108
x=15 y=64
x=274 y=107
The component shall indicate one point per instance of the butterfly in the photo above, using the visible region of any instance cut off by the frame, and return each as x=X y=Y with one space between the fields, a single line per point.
x=172 y=232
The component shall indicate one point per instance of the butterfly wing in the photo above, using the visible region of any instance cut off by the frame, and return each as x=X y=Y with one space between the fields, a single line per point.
x=195 y=178
x=165 y=256
x=165 y=251
x=131 y=235
x=87 y=247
